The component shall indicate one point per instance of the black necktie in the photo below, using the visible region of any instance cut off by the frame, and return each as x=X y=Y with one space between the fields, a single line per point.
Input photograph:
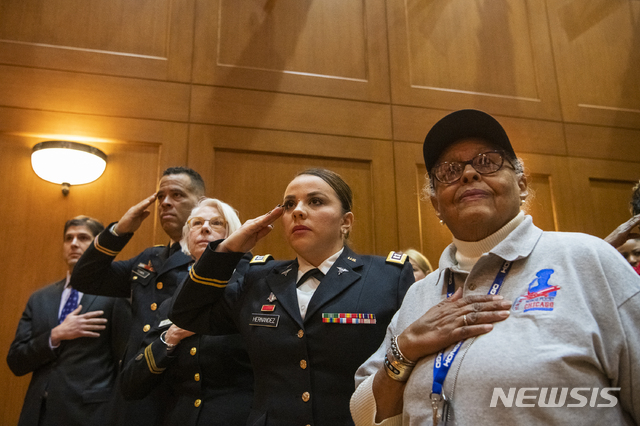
x=315 y=272
x=174 y=248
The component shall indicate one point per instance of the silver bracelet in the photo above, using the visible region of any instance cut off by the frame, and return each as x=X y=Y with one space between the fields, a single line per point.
x=168 y=345
x=398 y=354
x=112 y=229
x=396 y=365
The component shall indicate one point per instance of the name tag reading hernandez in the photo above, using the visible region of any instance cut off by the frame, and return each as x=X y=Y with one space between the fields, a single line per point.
x=349 y=318
x=264 y=320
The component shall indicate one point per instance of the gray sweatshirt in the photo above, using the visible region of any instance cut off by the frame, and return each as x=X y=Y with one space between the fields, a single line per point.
x=573 y=334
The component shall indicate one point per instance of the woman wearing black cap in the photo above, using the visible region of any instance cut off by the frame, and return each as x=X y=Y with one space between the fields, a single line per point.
x=515 y=320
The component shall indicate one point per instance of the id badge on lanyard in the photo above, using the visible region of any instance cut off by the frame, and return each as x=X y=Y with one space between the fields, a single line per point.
x=442 y=364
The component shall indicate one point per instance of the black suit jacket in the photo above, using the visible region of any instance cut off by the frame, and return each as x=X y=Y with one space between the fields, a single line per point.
x=304 y=370
x=76 y=380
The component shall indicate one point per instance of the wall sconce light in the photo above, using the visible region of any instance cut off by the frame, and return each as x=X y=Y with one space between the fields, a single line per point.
x=67 y=163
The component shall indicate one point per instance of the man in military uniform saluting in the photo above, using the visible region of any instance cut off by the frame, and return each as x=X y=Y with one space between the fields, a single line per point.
x=149 y=278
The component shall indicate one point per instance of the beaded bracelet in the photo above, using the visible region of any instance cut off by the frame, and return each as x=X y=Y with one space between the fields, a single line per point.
x=397 y=366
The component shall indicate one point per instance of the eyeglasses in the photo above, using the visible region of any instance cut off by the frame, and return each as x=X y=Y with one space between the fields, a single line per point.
x=484 y=163
x=214 y=223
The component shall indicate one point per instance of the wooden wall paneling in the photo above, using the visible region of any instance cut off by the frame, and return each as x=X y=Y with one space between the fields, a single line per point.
x=168 y=138
x=597 y=52
x=609 y=143
x=147 y=39
x=33 y=215
x=334 y=48
x=551 y=199
x=257 y=109
x=250 y=169
x=491 y=55
x=604 y=189
x=533 y=136
x=548 y=177
x=90 y=94
x=418 y=225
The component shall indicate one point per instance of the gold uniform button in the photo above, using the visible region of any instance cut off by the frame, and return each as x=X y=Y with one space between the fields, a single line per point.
x=193 y=351
x=197 y=403
x=300 y=333
x=154 y=306
x=196 y=377
x=306 y=396
x=135 y=277
x=146 y=328
x=303 y=364
x=159 y=286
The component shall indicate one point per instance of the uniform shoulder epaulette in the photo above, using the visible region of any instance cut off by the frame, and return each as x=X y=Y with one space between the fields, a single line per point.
x=160 y=245
x=395 y=257
x=261 y=259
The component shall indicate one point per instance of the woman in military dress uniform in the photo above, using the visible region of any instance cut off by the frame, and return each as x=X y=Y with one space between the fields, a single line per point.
x=209 y=377
x=309 y=322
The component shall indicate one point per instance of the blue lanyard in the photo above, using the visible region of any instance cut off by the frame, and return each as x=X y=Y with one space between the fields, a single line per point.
x=442 y=364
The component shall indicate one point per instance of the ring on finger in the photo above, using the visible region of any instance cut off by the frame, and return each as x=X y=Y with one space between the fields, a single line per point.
x=464 y=318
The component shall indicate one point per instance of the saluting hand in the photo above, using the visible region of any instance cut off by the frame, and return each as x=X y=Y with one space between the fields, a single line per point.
x=78 y=325
x=246 y=237
x=622 y=233
x=444 y=324
x=134 y=217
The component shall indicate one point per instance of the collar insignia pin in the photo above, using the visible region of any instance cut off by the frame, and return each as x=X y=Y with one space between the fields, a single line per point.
x=286 y=272
x=271 y=297
x=351 y=259
x=342 y=270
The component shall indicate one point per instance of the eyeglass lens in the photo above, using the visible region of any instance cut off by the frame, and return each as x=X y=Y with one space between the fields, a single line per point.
x=484 y=163
x=198 y=222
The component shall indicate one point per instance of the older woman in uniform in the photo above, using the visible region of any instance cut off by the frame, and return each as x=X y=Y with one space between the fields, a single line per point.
x=308 y=323
x=209 y=377
x=562 y=347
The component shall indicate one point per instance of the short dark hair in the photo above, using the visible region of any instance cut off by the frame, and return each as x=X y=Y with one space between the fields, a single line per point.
x=635 y=200
x=197 y=183
x=94 y=225
x=335 y=181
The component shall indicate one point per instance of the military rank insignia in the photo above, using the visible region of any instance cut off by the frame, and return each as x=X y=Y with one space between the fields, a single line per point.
x=395 y=257
x=260 y=259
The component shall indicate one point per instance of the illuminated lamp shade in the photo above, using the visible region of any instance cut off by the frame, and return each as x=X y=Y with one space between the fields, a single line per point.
x=67 y=163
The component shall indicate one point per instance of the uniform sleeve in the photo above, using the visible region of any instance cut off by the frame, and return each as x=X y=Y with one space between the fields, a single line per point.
x=97 y=273
x=202 y=303
x=29 y=351
x=145 y=370
x=406 y=280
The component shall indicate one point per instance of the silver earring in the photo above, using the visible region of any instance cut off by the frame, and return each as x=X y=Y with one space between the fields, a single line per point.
x=441 y=222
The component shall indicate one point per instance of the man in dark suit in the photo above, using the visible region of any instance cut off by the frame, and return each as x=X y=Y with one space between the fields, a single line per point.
x=148 y=278
x=72 y=342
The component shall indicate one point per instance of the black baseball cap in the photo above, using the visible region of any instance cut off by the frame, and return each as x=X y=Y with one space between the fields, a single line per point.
x=463 y=124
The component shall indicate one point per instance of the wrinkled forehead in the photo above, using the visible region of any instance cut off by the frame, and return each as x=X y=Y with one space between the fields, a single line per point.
x=205 y=212
x=465 y=149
